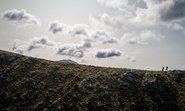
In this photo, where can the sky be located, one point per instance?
(139, 34)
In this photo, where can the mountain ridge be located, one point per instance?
(28, 83)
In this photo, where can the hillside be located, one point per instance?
(35, 84)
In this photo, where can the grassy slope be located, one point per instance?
(34, 84)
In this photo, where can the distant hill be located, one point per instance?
(30, 84)
(68, 61)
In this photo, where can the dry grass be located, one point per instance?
(36, 84)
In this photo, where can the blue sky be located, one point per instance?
(112, 33)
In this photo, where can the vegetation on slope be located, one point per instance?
(34, 84)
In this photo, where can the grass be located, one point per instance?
(35, 84)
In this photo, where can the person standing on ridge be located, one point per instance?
(166, 68)
(162, 68)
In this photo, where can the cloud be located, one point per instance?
(72, 51)
(103, 37)
(110, 41)
(105, 21)
(33, 43)
(16, 47)
(73, 30)
(39, 42)
(146, 12)
(79, 29)
(84, 31)
(126, 6)
(113, 3)
(130, 58)
(20, 17)
(107, 53)
(56, 27)
(160, 10)
(142, 38)
(87, 43)
(175, 11)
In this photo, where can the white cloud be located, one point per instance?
(143, 14)
(152, 13)
(84, 31)
(130, 58)
(20, 17)
(160, 10)
(102, 37)
(79, 30)
(142, 38)
(110, 40)
(114, 3)
(127, 7)
(105, 21)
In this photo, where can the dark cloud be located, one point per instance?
(165, 10)
(108, 53)
(20, 17)
(175, 11)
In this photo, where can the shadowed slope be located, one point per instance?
(35, 84)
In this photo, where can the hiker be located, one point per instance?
(162, 68)
(166, 68)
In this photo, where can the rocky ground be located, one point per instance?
(30, 84)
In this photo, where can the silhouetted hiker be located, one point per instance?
(162, 68)
(166, 68)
